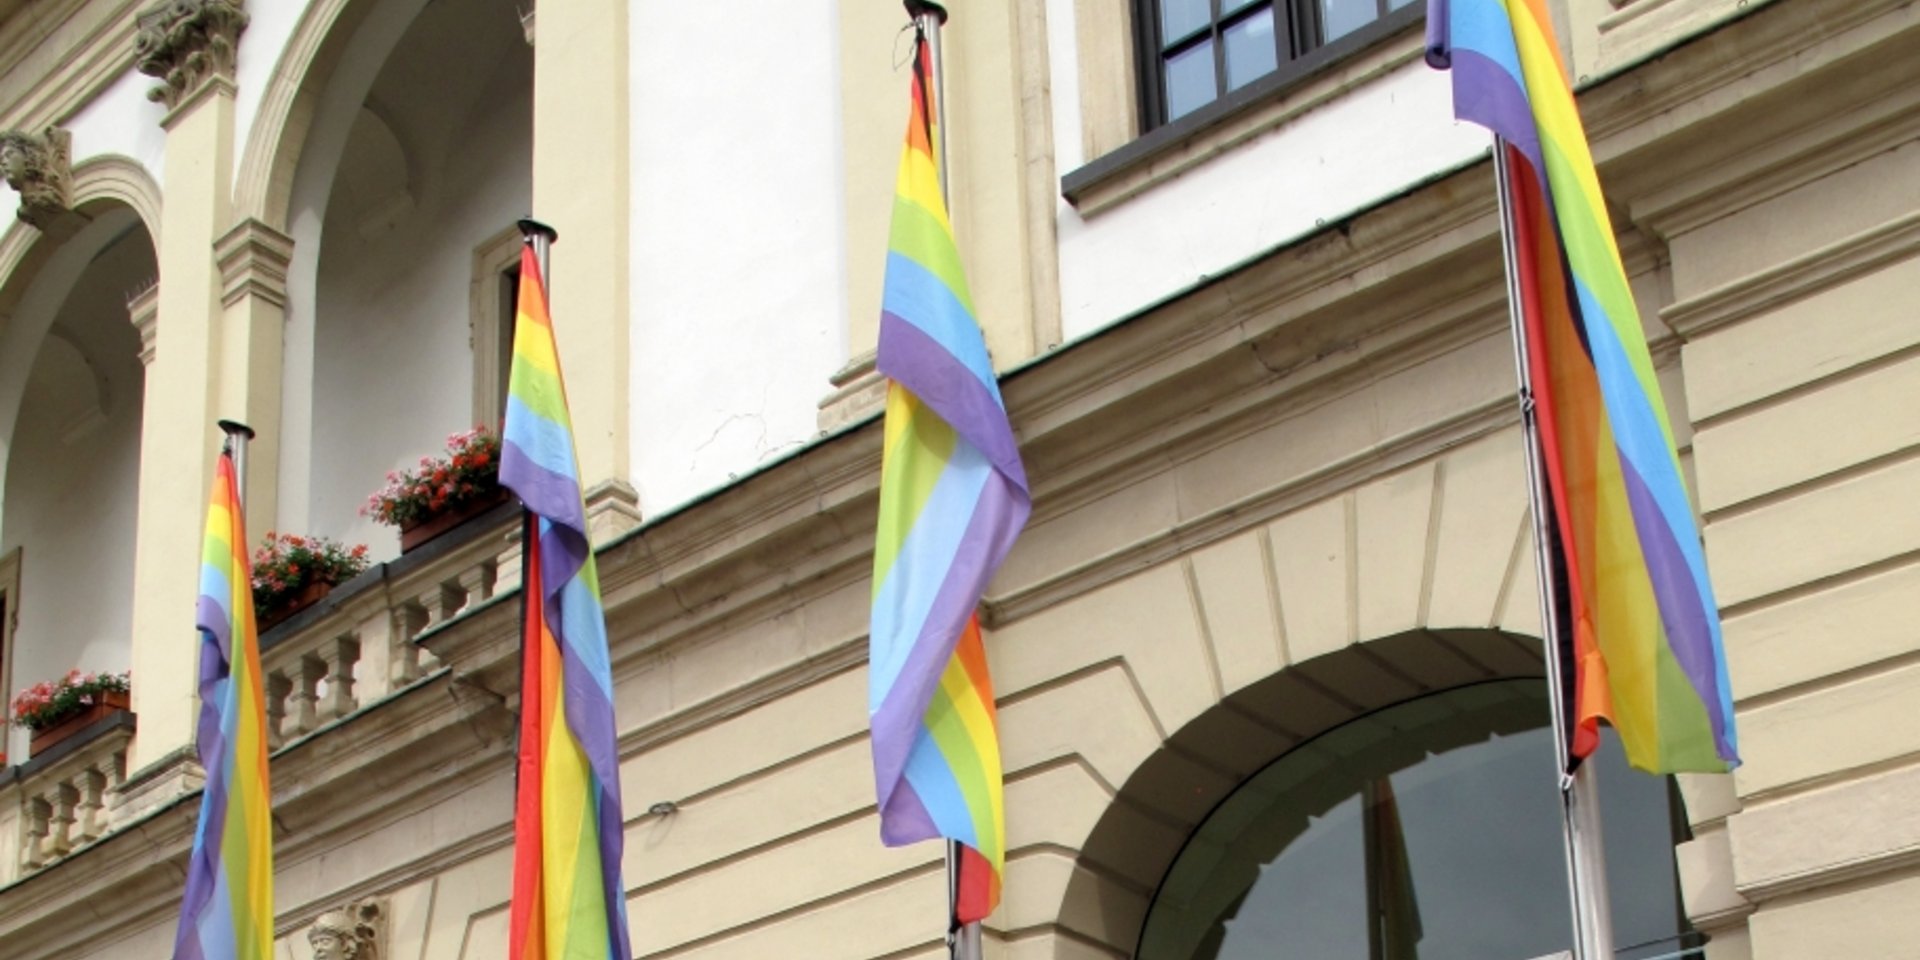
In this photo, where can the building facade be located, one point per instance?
(1266, 656)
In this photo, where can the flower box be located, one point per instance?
(308, 595)
(104, 705)
(425, 529)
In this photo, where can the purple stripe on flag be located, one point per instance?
(1689, 629)
(1439, 37)
(997, 517)
(212, 618)
(919, 363)
(589, 715)
(904, 819)
(554, 496)
(204, 859)
(1486, 94)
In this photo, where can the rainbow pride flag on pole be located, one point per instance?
(569, 902)
(953, 496)
(227, 913)
(1645, 630)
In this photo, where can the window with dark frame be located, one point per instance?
(1196, 51)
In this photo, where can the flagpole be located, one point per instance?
(1579, 801)
(238, 434)
(963, 940)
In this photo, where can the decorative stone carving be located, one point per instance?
(356, 931)
(187, 43)
(40, 167)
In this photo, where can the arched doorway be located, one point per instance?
(72, 386)
(416, 163)
(1426, 830)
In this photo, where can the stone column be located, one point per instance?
(189, 45)
(581, 186)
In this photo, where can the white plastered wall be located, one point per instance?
(1364, 146)
(738, 269)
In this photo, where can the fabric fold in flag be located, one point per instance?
(227, 912)
(1644, 629)
(569, 902)
(953, 496)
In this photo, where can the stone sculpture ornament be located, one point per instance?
(185, 43)
(352, 932)
(39, 167)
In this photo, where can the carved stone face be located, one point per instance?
(13, 160)
(330, 942)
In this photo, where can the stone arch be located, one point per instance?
(1396, 584)
(113, 178)
(346, 39)
(1133, 844)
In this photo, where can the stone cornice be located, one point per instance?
(253, 259)
(1724, 121)
(86, 45)
(1801, 277)
(186, 44)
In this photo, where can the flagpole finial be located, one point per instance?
(235, 428)
(918, 8)
(531, 228)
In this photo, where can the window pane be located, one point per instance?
(1251, 52)
(1341, 17)
(1190, 80)
(1425, 831)
(1230, 7)
(1181, 17)
(1397, 4)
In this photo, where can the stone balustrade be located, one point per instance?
(56, 804)
(356, 647)
(347, 653)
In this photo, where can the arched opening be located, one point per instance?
(1428, 830)
(418, 159)
(72, 386)
(1263, 816)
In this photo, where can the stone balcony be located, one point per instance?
(347, 654)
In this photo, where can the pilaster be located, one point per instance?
(581, 185)
(252, 259)
(188, 44)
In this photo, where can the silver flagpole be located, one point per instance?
(1579, 803)
(540, 237)
(237, 436)
(963, 941)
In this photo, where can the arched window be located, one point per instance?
(1425, 831)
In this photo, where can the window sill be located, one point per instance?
(1309, 82)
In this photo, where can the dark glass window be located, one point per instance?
(1198, 51)
(1426, 831)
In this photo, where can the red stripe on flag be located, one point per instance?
(528, 927)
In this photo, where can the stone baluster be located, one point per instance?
(34, 842)
(90, 813)
(340, 656)
(306, 695)
(65, 800)
(278, 689)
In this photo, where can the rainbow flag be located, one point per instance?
(1645, 629)
(227, 913)
(953, 496)
(569, 902)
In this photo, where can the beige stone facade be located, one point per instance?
(1283, 497)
